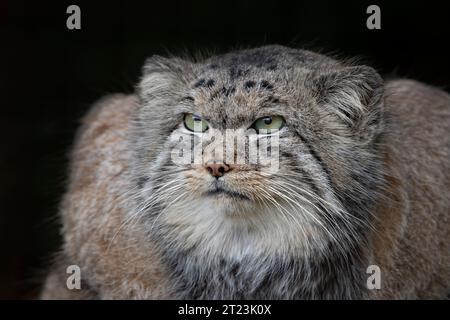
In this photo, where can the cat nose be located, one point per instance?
(217, 168)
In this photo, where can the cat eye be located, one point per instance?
(271, 124)
(195, 123)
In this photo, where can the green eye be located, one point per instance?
(195, 123)
(269, 124)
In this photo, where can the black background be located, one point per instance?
(49, 76)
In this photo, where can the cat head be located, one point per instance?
(301, 171)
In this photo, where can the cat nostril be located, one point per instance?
(217, 169)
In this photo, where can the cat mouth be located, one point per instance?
(220, 191)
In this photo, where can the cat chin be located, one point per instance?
(230, 204)
(233, 228)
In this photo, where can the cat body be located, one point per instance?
(363, 180)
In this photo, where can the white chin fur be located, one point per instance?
(236, 228)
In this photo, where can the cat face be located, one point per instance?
(313, 124)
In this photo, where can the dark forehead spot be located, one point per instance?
(236, 72)
(249, 84)
(228, 91)
(272, 67)
(199, 83)
(266, 85)
(188, 98)
(213, 66)
(224, 91)
(272, 99)
(210, 83)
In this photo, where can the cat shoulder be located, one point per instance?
(109, 113)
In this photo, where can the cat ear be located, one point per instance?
(354, 93)
(160, 74)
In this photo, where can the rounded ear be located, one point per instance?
(161, 74)
(356, 93)
(361, 80)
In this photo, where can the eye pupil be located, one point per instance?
(195, 123)
(268, 124)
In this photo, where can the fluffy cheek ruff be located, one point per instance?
(263, 253)
(233, 228)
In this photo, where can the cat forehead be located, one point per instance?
(269, 58)
(237, 86)
(230, 96)
(264, 70)
(268, 62)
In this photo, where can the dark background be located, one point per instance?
(49, 76)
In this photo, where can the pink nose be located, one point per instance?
(216, 168)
